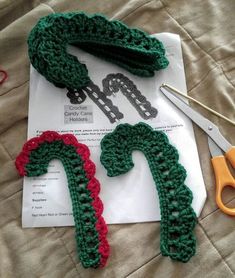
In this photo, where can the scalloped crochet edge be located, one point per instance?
(48, 40)
(178, 219)
(23, 159)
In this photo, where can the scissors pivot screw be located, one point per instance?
(210, 127)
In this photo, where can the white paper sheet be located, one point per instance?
(131, 197)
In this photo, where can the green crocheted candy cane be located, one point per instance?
(84, 188)
(177, 216)
(113, 41)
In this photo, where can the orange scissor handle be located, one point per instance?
(223, 178)
(230, 154)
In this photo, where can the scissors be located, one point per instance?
(219, 147)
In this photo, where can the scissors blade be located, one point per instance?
(206, 125)
(215, 150)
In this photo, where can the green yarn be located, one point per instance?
(177, 216)
(83, 212)
(113, 41)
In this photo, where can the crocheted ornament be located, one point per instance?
(90, 227)
(177, 216)
(113, 41)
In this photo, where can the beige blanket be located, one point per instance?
(207, 30)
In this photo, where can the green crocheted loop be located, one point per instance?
(113, 41)
(39, 160)
(90, 227)
(177, 216)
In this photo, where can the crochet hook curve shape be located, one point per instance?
(178, 218)
(90, 227)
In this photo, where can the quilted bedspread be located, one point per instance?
(207, 30)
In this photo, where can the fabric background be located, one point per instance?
(207, 30)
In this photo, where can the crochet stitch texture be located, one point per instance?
(177, 216)
(113, 41)
(90, 227)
